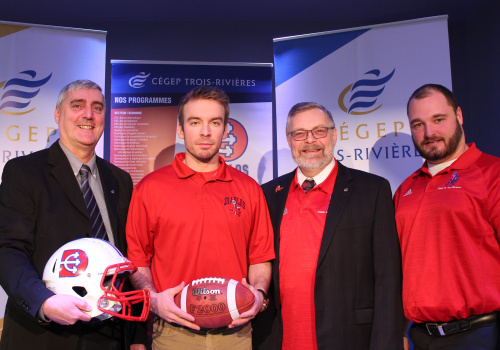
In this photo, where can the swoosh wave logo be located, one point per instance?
(364, 93)
(137, 81)
(17, 93)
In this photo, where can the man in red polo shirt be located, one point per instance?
(448, 219)
(199, 218)
(337, 273)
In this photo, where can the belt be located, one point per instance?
(442, 329)
(206, 331)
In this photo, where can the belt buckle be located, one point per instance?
(439, 327)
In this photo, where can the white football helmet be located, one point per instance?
(94, 270)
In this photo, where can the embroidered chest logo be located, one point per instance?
(407, 193)
(235, 205)
(453, 180)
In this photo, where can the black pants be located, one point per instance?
(480, 338)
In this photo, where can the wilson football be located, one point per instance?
(214, 302)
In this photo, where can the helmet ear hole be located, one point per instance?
(81, 291)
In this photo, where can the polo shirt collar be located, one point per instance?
(469, 157)
(183, 171)
(318, 179)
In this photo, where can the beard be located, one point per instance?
(206, 156)
(435, 153)
(313, 162)
(203, 155)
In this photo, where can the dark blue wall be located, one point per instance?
(483, 74)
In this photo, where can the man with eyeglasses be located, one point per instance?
(337, 273)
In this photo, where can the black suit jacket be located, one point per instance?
(358, 280)
(42, 208)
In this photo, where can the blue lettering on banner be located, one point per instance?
(241, 167)
(11, 154)
(388, 152)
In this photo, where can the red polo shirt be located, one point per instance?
(448, 226)
(300, 240)
(186, 225)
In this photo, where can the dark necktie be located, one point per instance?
(98, 229)
(308, 184)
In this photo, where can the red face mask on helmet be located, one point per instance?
(95, 271)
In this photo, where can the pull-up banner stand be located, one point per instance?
(35, 63)
(144, 99)
(364, 77)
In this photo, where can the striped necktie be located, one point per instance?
(308, 184)
(98, 229)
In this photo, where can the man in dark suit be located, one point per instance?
(42, 208)
(337, 273)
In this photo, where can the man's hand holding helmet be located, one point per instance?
(66, 309)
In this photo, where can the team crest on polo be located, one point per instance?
(235, 205)
(235, 143)
(73, 263)
(361, 96)
(453, 180)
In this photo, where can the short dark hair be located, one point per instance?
(427, 90)
(76, 85)
(305, 106)
(204, 93)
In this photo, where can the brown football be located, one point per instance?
(215, 302)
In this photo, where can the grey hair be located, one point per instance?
(76, 85)
(305, 106)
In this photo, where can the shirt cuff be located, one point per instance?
(41, 315)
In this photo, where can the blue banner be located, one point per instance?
(144, 100)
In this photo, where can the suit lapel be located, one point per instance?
(340, 197)
(61, 170)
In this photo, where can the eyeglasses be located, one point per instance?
(317, 133)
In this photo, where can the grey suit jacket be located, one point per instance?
(42, 208)
(358, 280)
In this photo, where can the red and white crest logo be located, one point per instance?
(73, 263)
(236, 141)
